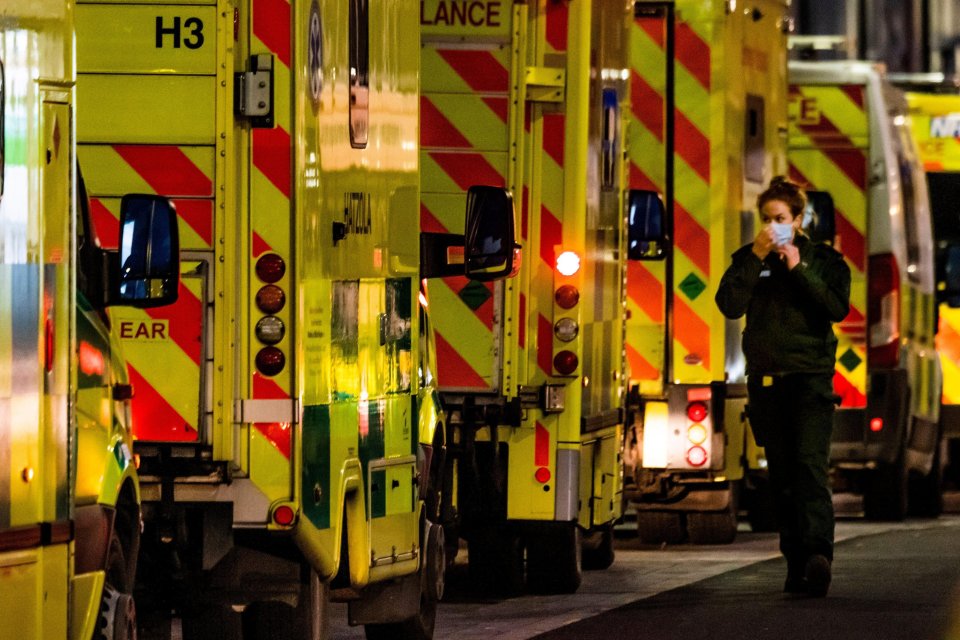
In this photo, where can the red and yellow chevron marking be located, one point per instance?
(948, 346)
(157, 341)
(694, 201)
(828, 152)
(271, 175)
(464, 141)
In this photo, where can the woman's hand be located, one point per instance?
(763, 244)
(790, 254)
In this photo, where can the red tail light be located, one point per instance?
(566, 362)
(696, 456)
(270, 267)
(696, 411)
(567, 296)
(883, 311)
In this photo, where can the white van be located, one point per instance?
(850, 145)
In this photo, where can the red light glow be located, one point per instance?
(568, 263)
(876, 424)
(284, 515)
(542, 475)
(696, 411)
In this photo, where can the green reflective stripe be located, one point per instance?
(415, 425)
(372, 447)
(316, 465)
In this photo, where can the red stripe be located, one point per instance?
(106, 228)
(271, 155)
(429, 222)
(850, 396)
(479, 69)
(167, 169)
(551, 236)
(499, 106)
(271, 24)
(855, 92)
(647, 105)
(544, 344)
(693, 53)
(692, 238)
(691, 331)
(645, 290)
(640, 367)
(153, 417)
(640, 180)
(854, 324)
(467, 169)
(841, 150)
(184, 322)
(692, 145)
(853, 162)
(198, 214)
(260, 246)
(656, 28)
(553, 125)
(452, 369)
(522, 331)
(436, 130)
(277, 433)
(852, 242)
(541, 455)
(557, 17)
(524, 213)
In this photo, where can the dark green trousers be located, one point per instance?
(792, 417)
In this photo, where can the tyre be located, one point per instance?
(554, 559)
(420, 627)
(660, 527)
(758, 499)
(495, 560)
(118, 612)
(926, 492)
(598, 553)
(887, 492)
(717, 527)
(269, 620)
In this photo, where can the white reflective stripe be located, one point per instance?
(250, 410)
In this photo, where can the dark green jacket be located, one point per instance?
(789, 313)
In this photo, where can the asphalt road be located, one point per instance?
(891, 581)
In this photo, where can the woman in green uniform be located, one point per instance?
(791, 290)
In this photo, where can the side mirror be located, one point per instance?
(149, 252)
(818, 218)
(948, 288)
(646, 226)
(489, 246)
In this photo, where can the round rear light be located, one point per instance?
(568, 263)
(876, 424)
(270, 330)
(270, 267)
(284, 515)
(566, 329)
(565, 362)
(542, 475)
(270, 361)
(567, 296)
(696, 456)
(696, 411)
(271, 298)
(697, 433)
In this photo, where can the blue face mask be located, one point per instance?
(782, 232)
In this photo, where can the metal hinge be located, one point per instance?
(545, 84)
(253, 91)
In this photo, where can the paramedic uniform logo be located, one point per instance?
(315, 53)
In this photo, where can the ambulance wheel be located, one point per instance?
(420, 627)
(598, 553)
(554, 559)
(718, 527)
(495, 560)
(118, 612)
(887, 492)
(926, 492)
(660, 527)
(270, 619)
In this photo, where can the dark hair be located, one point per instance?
(786, 191)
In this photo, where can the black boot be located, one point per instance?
(796, 580)
(817, 575)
